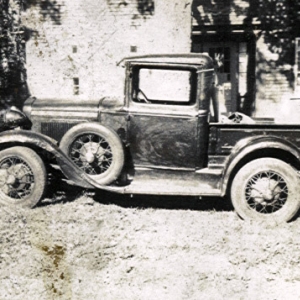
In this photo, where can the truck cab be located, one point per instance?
(168, 110)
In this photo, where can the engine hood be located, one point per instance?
(88, 110)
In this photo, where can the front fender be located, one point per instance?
(251, 145)
(28, 137)
(69, 169)
(36, 140)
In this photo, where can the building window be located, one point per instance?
(76, 86)
(297, 63)
(133, 48)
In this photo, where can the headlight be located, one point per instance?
(13, 117)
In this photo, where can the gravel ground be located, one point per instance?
(113, 247)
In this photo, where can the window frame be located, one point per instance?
(135, 70)
(297, 63)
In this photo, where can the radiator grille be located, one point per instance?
(56, 130)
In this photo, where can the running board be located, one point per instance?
(176, 188)
(205, 182)
(147, 181)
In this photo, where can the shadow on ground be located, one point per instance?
(59, 192)
(163, 202)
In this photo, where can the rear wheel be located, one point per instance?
(266, 189)
(22, 177)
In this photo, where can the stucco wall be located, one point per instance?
(85, 39)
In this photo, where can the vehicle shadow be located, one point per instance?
(163, 202)
(59, 192)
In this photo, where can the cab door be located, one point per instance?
(164, 118)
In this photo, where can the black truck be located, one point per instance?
(163, 137)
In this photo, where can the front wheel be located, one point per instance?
(266, 189)
(23, 177)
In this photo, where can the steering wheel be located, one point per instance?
(144, 98)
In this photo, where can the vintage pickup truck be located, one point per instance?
(161, 138)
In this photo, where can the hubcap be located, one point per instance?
(11, 179)
(89, 151)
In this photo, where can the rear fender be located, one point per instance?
(251, 145)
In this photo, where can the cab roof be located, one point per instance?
(199, 59)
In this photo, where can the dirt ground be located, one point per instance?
(103, 246)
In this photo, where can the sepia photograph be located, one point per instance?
(149, 149)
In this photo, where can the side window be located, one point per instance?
(297, 63)
(163, 86)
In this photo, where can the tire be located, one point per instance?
(23, 177)
(266, 189)
(95, 149)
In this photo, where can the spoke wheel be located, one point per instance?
(266, 189)
(266, 192)
(22, 177)
(91, 153)
(96, 150)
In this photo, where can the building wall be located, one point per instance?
(75, 44)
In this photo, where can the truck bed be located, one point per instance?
(223, 138)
